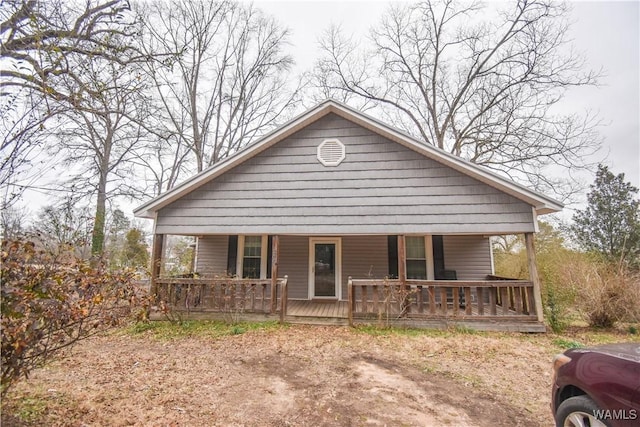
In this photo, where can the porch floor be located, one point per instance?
(311, 308)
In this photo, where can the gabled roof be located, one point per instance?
(541, 203)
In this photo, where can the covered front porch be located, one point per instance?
(490, 304)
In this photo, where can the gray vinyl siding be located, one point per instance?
(380, 188)
(364, 257)
(294, 262)
(469, 256)
(212, 256)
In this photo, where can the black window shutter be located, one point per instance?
(232, 255)
(438, 256)
(269, 254)
(392, 245)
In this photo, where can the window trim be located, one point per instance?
(264, 250)
(428, 253)
(311, 278)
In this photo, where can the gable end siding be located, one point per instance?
(380, 187)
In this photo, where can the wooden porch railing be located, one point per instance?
(391, 299)
(223, 295)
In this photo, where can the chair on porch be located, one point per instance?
(451, 275)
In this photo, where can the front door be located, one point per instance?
(324, 268)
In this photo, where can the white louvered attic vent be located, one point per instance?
(331, 152)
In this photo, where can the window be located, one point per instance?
(249, 256)
(416, 257)
(251, 259)
(331, 152)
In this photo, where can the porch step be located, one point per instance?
(322, 321)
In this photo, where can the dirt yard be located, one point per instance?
(293, 376)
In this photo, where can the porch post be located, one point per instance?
(275, 245)
(156, 262)
(402, 260)
(533, 274)
(192, 264)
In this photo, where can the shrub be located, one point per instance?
(607, 292)
(572, 282)
(558, 296)
(557, 301)
(48, 306)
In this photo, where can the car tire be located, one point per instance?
(578, 411)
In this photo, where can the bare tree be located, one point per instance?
(42, 43)
(226, 84)
(64, 226)
(13, 222)
(102, 137)
(480, 83)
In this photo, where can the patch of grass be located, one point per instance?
(590, 336)
(164, 330)
(141, 327)
(464, 330)
(633, 330)
(377, 330)
(453, 331)
(30, 409)
(566, 343)
(374, 330)
(608, 337)
(237, 330)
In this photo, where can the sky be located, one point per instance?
(606, 32)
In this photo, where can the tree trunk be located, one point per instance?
(97, 236)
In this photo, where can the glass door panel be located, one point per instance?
(324, 274)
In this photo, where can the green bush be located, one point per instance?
(557, 302)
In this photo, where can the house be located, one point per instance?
(336, 216)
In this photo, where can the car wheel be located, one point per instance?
(578, 411)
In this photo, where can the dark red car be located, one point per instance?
(598, 386)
